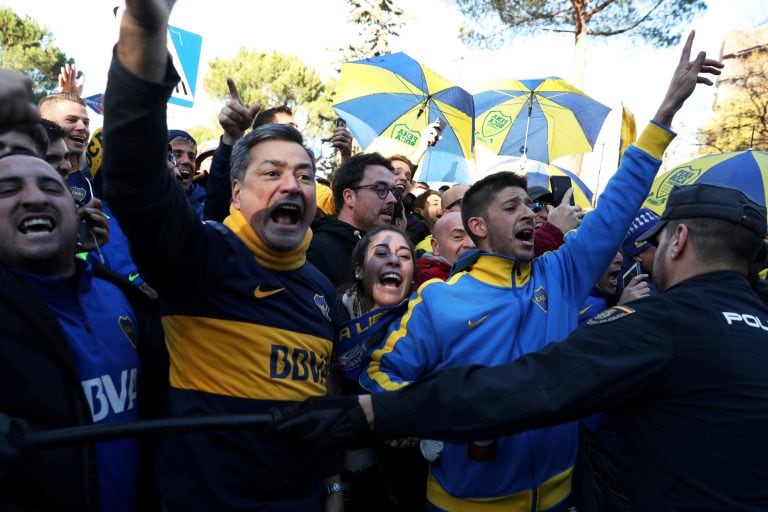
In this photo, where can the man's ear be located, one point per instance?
(349, 197)
(478, 227)
(236, 186)
(681, 241)
(435, 248)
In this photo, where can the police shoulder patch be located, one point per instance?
(610, 315)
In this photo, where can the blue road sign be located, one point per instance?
(96, 102)
(184, 47)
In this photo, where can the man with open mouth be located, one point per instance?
(248, 322)
(183, 149)
(500, 303)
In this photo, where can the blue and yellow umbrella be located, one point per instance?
(744, 170)
(388, 100)
(540, 118)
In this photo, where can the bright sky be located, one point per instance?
(619, 71)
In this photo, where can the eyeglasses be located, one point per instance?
(381, 189)
(537, 206)
(457, 202)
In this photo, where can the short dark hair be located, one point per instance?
(61, 96)
(720, 241)
(268, 116)
(242, 150)
(421, 201)
(358, 253)
(35, 131)
(351, 173)
(54, 130)
(482, 193)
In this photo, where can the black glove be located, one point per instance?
(325, 423)
(12, 444)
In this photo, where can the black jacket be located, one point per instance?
(41, 386)
(331, 249)
(684, 373)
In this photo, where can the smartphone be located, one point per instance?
(440, 124)
(631, 272)
(559, 186)
(340, 122)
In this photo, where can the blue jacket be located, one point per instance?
(495, 309)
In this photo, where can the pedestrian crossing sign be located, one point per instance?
(184, 47)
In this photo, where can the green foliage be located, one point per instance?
(741, 118)
(27, 47)
(658, 22)
(274, 79)
(378, 21)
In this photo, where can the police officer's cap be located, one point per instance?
(702, 200)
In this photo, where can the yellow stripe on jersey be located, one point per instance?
(551, 492)
(245, 360)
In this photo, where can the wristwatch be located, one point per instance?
(336, 487)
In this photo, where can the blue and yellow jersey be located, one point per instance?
(248, 329)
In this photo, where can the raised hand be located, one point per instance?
(636, 289)
(566, 216)
(687, 74)
(68, 80)
(98, 227)
(235, 117)
(342, 140)
(15, 99)
(143, 33)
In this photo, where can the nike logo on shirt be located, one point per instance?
(261, 294)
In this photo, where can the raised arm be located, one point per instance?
(143, 33)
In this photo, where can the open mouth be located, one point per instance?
(391, 280)
(613, 278)
(526, 235)
(78, 139)
(185, 175)
(286, 214)
(35, 225)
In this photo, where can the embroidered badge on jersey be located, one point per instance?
(609, 315)
(126, 325)
(323, 305)
(540, 298)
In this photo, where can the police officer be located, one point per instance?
(684, 372)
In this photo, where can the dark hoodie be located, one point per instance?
(331, 249)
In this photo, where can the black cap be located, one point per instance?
(536, 192)
(701, 200)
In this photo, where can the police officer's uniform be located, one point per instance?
(686, 374)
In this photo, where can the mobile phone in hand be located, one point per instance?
(631, 272)
(440, 124)
(340, 122)
(560, 185)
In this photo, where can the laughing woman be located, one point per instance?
(384, 478)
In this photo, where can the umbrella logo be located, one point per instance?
(494, 122)
(402, 133)
(681, 176)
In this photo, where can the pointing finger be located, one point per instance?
(567, 196)
(233, 93)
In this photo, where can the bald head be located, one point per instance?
(449, 239)
(38, 218)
